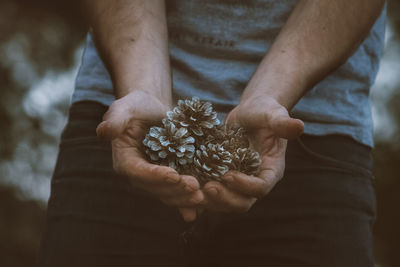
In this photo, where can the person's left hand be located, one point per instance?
(268, 125)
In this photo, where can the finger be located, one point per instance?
(187, 184)
(185, 201)
(190, 182)
(130, 162)
(141, 172)
(250, 185)
(219, 198)
(188, 214)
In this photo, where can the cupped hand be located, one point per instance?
(126, 123)
(268, 125)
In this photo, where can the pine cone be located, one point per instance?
(169, 145)
(231, 138)
(234, 140)
(245, 160)
(193, 142)
(211, 162)
(196, 115)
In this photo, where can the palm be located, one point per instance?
(272, 152)
(135, 115)
(262, 135)
(268, 125)
(126, 123)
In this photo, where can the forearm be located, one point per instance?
(318, 37)
(131, 37)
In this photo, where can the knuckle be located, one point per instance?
(189, 187)
(278, 111)
(155, 171)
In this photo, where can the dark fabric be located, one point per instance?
(320, 214)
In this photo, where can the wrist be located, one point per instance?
(161, 89)
(268, 96)
(133, 94)
(283, 88)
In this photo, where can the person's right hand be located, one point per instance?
(126, 123)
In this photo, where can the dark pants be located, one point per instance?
(320, 214)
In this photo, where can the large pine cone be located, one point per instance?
(170, 145)
(196, 115)
(235, 141)
(211, 162)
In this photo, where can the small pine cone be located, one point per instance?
(211, 162)
(195, 114)
(169, 145)
(216, 136)
(235, 138)
(246, 160)
(231, 138)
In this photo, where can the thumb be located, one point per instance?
(231, 118)
(282, 124)
(273, 116)
(113, 124)
(286, 127)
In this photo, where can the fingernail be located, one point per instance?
(212, 191)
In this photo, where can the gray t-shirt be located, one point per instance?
(215, 47)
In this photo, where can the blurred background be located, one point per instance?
(41, 43)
